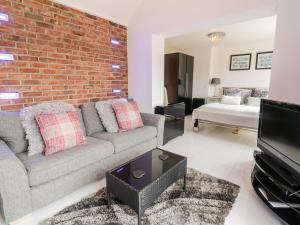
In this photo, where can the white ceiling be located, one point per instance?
(246, 32)
(119, 11)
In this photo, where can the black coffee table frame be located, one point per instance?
(140, 200)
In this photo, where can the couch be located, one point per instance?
(31, 182)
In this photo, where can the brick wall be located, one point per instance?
(60, 54)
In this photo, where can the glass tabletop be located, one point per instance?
(151, 163)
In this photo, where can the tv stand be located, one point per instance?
(278, 188)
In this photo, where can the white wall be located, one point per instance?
(214, 61)
(285, 81)
(202, 64)
(169, 16)
(158, 61)
(246, 78)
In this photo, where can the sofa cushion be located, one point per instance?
(42, 169)
(125, 140)
(12, 131)
(91, 118)
(79, 114)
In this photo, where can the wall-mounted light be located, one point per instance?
(116, 90)
(9, 95)
(3, 17)
(115, 41)
(6, 57)
(116, 66)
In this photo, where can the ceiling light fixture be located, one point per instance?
(216, 37)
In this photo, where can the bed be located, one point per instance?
(237, 116)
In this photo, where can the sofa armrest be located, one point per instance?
(15, 198)
(157, 121)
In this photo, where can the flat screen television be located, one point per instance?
(279, 132)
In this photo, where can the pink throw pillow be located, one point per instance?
(60, 131)
(128, 116)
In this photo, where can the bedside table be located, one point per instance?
(212, 100)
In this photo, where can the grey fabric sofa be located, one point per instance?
(28, 183)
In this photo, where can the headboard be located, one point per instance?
(247, 88)
(255, 92)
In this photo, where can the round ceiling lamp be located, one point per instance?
(216, 37)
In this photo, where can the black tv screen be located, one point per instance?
(279, 131)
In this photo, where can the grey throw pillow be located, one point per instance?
(33, 135)
(91, 118)
(107, 114)
(12, 132)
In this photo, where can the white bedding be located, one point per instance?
(235, 115)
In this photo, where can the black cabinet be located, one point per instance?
(174, 124)
(179, 70)
(277, 188)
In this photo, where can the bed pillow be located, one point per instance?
(253, 101)
(231, 100)
(232, 92)
(260, 93)
(128, 115)
(107, 114)
(60, 131)
(245, 94)
(33, 135)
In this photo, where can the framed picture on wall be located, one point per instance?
(240, 62)
(264, 60)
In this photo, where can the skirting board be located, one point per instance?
(21, 220)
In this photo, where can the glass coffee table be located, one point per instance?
(140, 181)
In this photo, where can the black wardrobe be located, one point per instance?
(179, 79)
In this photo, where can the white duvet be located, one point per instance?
(235, 115)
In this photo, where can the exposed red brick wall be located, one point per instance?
(60, 54)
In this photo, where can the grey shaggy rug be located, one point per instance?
(206, 201)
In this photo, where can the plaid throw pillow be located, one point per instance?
(60, 131)
(128, 116)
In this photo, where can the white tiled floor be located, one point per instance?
(213, 150)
